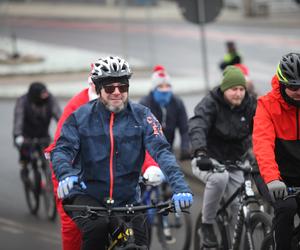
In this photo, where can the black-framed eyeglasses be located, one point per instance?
(109, 89)
(293, 87)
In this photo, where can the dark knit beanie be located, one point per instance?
(232, 76)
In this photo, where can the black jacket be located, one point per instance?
(174, 117)
(223, 132)
(33, 121)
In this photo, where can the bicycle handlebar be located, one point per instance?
(238, 165)
(43, 140)
(167, 206)
(292, 192)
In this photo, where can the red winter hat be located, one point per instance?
(243, 68)
(158, 67)
(160, 77)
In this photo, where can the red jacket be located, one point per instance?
(276, 136)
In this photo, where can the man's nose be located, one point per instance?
(116, 91)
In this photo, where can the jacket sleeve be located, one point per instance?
(264, 144)
(158, 147)
(183, 127)
(66, 150)
(19, 117)
(200, 124)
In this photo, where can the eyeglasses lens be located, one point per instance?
(109, 89)
(293, 87)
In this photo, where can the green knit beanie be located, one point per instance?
(232, 76)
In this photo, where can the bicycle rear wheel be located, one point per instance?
(31, 181)
(47, 192)
(260, 227)
(174, 231)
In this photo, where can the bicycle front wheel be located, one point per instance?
(48, 196)
(259, 227)
(174, 231)
(268, 243)
(31, 182)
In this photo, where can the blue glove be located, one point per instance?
(182, 200)
(66, 185)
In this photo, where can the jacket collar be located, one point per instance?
(275, 93)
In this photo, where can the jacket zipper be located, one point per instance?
(297, 123)
(111, 172)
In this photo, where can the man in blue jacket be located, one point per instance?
(99, 155)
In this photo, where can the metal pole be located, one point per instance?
(151, 40)
(201, 13)
(123, 32)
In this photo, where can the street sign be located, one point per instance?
(190, 10)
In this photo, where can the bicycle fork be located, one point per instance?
(238, 228)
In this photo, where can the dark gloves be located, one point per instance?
(185, 155)
(203, 162)
(277, 189)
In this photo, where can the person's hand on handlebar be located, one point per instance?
(65, 186)
(277, 190)
(202, 161)
(182, 201)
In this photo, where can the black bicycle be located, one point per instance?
(268, 243)
(122, 236)
(174, 231)
(252, 225)
(37, 179)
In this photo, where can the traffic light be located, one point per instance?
(190, 10)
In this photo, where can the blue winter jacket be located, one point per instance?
(107, 151)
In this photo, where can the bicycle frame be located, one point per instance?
(247, 198)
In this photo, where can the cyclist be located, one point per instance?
(71, 236)
(231, 57)
(276, 144)
(100, 152)
(221, 129)
(169, 109)
(32, 116)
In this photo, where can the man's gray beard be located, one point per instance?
(116, 109)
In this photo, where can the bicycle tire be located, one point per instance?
(268, 243)
(260, 226)
(32, 189)
(47, 192)
(178, 226)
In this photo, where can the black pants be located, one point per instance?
(283, 222)
(284, 213)
(95, 231)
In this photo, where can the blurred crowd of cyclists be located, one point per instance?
(104, 142)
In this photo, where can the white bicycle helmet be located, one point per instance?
(108, 70)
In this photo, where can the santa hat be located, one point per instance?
(160, 76)
(244, 70)
(158, 67)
